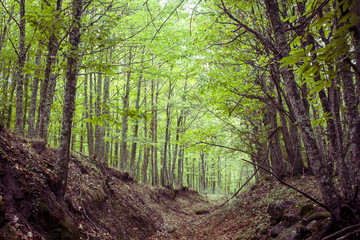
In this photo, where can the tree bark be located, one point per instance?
(136, 129)
(99, 140)
(69, 101)
(48, 84)
(316, 157)
(164, 168)
(88, 114)
(144, 169)
(34, 93)
(125, 126)
(19, 128)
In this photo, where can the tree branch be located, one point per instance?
(273, 174)
(167, 19)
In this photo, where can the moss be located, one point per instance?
(8, 232)
(306, 210)
(318, 216)
(56, 223)
(322, 224)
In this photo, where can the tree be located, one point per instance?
(19, 128)
(69, 100)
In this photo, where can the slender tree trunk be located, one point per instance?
(9, 110)
(105, 129)
(47, 110)
(34, 93)
(164, 168)
(203, 171)
(6, 77)
(99, 140)
(48, 84)
(19, 128)
(276, 155)
(144, 169)
(156, 173)
(88, 114)
(69, 102)
(124, 130)
(116, 147)
(152, 132)
(178, 125)
(181, 166)
(219, 175)
(136, 129)
(4, 31)
(26, 98)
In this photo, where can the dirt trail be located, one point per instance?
(191, 221)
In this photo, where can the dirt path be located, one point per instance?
(188, 220)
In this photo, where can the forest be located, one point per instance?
(205, 95)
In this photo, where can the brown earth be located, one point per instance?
(99, 204)
(103, 203)
(246, 216)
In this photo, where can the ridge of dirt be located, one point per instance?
(246, 216)
(100, 203)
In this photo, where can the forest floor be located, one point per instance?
(246, 216)
(103, 203)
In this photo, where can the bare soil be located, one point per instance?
(103, 203)
(100, 203)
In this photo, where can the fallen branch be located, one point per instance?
(348, 235)
(342, 231)
(174, 209)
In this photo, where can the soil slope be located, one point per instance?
(100, 203)
(247, 218)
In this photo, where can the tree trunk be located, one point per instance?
(69, 102)
(47, 110)
(316, 157)
(291, 146)
(178, 125)
(155, 168)
(136, 129)
(9, 110)
(124, 130)
(144, 169)
(48, 84)
(19, 128)
(34, 93)
(164, 168)
(105, 129)
(88, 114)
(354, 122)
(99, 140)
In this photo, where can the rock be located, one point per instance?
(302, 229)
(322, 224)
(277, 230)
(318, 216)
(290, 234)
(312, 226)
(306, 210)
(276, 210)
(290, 219)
